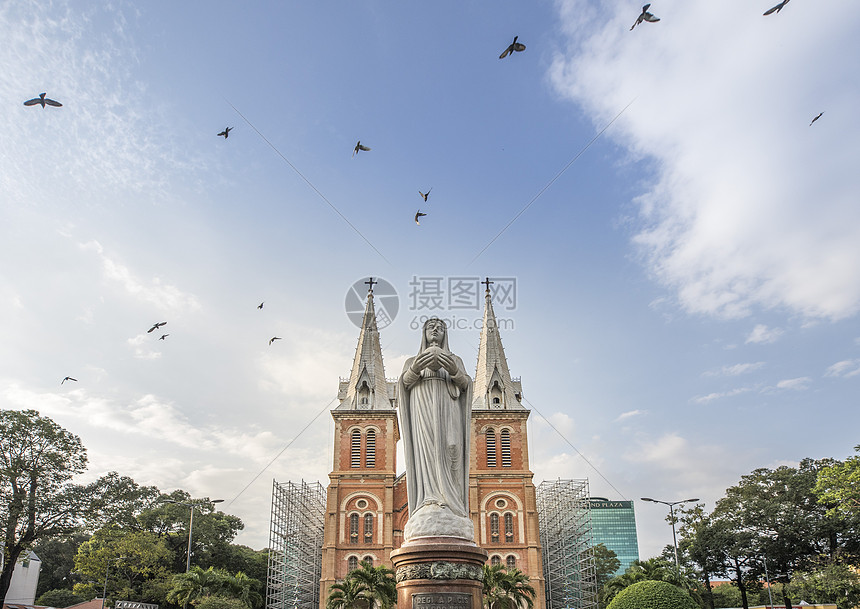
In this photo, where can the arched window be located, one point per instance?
(355, 449)
(509, 527)
(511, 561)
(368, 560)
(495, 560)
(353, 528)
(352, 563)
(494, 527)
(491, 447)
(370, 451)
(506, 448)
(368, 528)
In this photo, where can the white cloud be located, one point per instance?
(750, 207)
(719, 395)
(797, 384)
(761, 334)
(846, 368)
(167, 298)
(630, 413)
(736, 369)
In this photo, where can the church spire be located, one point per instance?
(367, 388)
(494, 388)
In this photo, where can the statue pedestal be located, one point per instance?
(439, 573)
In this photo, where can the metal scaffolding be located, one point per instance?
(295, 546)
(566, 538)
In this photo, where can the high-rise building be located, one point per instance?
(613, 524)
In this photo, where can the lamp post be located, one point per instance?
(672, 505)
(107, 572)
(191, 524)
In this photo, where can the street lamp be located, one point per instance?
(191, 524)
(671, 505)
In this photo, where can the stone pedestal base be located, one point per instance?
(439, 573)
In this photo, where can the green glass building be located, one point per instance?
(613, 524)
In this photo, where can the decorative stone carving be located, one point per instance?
(440, 570)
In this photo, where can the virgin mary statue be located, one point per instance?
(434, 396)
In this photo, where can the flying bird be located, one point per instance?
(260, 306)
(816, 118)
(42, 100)
(156, 326)
(225, 133)
(513, 47)
(646, 16)
(273, 339)
(777, 8)
(68, 378)
(358, 147)
(425, 194)
(163, 336)
(418, 215)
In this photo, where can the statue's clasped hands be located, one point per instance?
(434, 358)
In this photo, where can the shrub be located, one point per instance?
(220, 602)
(652, 595)
(59, 598)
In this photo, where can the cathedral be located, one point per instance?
(366, 506)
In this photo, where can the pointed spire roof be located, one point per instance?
(367, 388)
(494, 389)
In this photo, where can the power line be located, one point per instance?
(561, 435)
(290, 443)
(550, 183)
(309, 183)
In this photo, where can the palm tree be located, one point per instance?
(195, 584)
(241, 587)
(345, 594)
(377, 585)
(507, 588)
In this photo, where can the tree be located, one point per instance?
(195, 585)
(59, 598)
(377, 584)
(37, 460)
(130, 561)
(345, 594)
(507, 588)
(58, 561)
(838, 484)
(606, 563)
(829, 583)
(653, 569)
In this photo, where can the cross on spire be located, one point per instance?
(370, 283)
(487, 283)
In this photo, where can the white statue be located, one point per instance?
(434, 396)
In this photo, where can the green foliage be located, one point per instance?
(129, 560)
(606, 563)
(507, 588)
(838, 485)
(60, 598)
(363, 588)
(37, 500)
(199, 584)
(58, 561)
(220, 602)
(829, 583)
(653, 569)
(652, 594)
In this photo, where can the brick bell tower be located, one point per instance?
(366, 507)
(501, 490)
(360, 495)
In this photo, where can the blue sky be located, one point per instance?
(687, 290)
